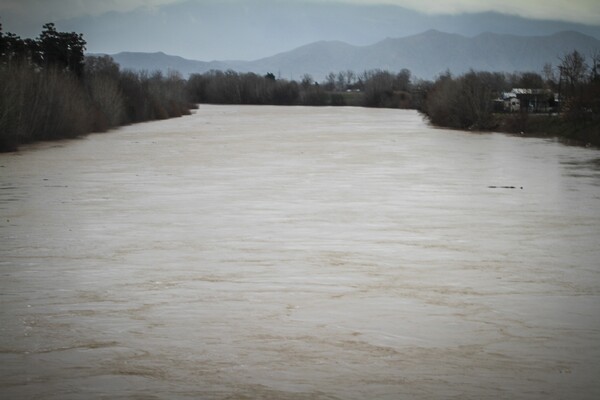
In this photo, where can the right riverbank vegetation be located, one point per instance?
(50, 90)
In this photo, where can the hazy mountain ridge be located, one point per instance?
(425, 55)
(164, 62)
(249, 30)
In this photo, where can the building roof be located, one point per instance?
(517, 91)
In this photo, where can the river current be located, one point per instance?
(252, 252)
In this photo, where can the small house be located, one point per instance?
(531, 100)
(511, 102)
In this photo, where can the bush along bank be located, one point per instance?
(574, 131)
(49, 90)
(565, 104)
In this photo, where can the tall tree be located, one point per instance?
(573, 73)
(573, 69)
(62, 50)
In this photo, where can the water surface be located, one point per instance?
(299, 253)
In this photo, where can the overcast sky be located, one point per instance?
(582, 11)
(247, 29)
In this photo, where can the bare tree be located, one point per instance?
(307, 81)
(573, 69)
(595, 67)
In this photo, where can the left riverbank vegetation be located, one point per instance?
(50, 90)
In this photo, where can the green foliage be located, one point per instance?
(60, 50)
(52, 49)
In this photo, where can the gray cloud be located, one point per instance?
(581, 11)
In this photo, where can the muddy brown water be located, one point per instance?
(299, 253)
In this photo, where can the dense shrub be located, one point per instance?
(49, 91)
(372, 89)
(464, 102)
(230, 87)
(40, 105)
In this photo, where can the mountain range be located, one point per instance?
(426, 55)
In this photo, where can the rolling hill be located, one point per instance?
(426, 55)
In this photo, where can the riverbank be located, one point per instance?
(583, 132)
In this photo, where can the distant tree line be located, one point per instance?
(50, 90)
(464, 101)
(375, 88)
(230, 87)
(468, 101)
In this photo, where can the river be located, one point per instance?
(250, 252)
